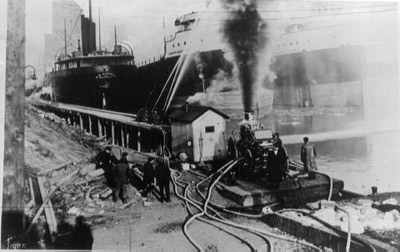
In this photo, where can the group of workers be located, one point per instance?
(117, 175)
(157, 169)
(278, 160)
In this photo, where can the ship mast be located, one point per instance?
(99, 32)
(115, 34)
(65, 37)
(165, 42)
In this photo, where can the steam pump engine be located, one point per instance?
(252, 144)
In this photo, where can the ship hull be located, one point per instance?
(325, 77)
(85, 86)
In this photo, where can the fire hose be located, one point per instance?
(262, 232)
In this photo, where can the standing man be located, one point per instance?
(106, 160)
(276, 138)
(277, 162)
(308, 157)
(148, 176)
(162, 173)
(120, 174)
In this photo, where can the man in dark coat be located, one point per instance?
(277, 164)
(308, 156)
(162, 173)
(148, 176)
(106, 160)
(120, 174)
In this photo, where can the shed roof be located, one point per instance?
(193, 112)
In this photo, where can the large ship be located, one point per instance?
(309, 71)
(315, 63)
(90, 77)
(111, 80)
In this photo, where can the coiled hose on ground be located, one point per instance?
(262, 232)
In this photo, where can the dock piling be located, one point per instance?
(113, 132)
(90, 124)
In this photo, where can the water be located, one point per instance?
(361, 162)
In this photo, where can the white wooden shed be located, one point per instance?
(199, 132)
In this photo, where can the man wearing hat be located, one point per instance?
(308, 156)
(148, 176)
(277, 164)
(162, 174)
(106, 160)
(120, 174)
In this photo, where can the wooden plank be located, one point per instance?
(31, 190)
(68, 177)
(48, 210)
(47, 199)
(87, 168)
(58, 167)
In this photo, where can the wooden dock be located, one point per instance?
(120, 129)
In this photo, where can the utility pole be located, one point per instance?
(13, 166)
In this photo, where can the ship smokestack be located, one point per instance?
(245, 33)
(249, 116)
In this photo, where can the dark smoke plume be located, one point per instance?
(245, 32)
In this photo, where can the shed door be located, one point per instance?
(212, 143)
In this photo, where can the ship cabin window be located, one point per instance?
(184, 43)
(179, 44)
(186, 27)
(72, 64)
(173, 45)
(85, 63)
(78, 63)
(63, 66)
